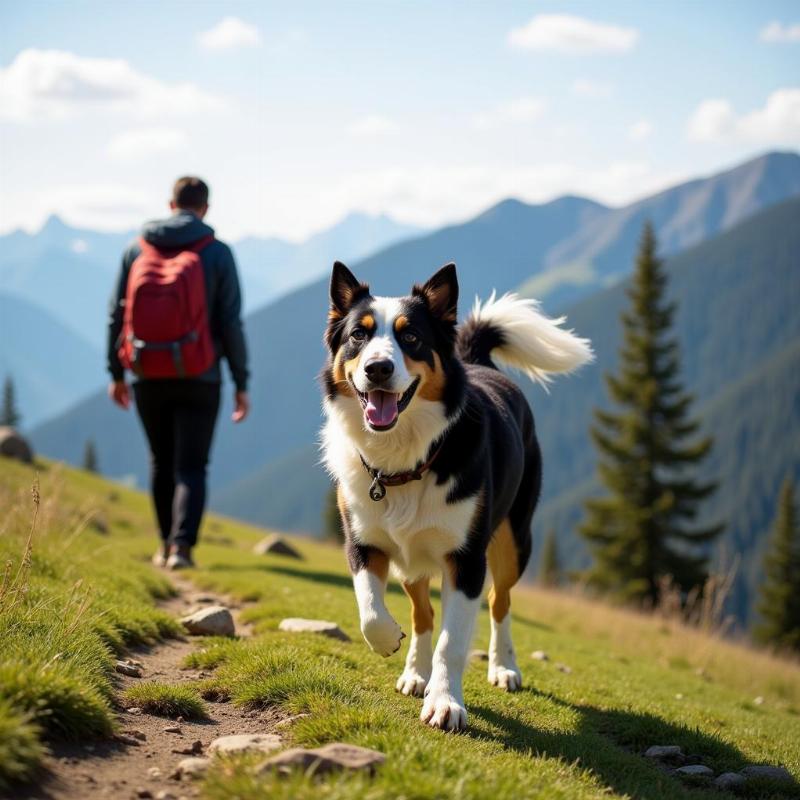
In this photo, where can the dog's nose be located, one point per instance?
(379, 370)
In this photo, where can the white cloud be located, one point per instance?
(96, 206)
(373, 125)
(145, 142)
(521, 110)
(79, 246)
(433, 194)
(57, 84)
(640, 130)
(570, 34)
(586, 87)
(777, 123)
(776, 32)
(228, 33)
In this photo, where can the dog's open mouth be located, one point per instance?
(381, 409)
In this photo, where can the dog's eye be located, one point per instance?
(409, 337)
(359, 334)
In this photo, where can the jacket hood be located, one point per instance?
(182, 228)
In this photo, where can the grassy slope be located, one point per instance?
(68, 603)
(633, 683)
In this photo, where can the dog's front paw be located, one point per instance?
(383, 634)
(506, 678)
(411, 682)
(443, 710)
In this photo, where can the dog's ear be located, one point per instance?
(345, 290)
(440, 292)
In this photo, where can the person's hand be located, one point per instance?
(120, 393)
(242, 409)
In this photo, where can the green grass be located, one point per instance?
(635, 681)
(165, 700)
(70, 600)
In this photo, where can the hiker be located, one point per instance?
(174, 314)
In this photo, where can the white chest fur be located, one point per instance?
(413, 524)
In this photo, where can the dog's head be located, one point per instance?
(390, 354)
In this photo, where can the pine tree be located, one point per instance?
(90, 457)
(331, 519)
(9, 415)
(549, 563)
(779, 606)
(641, 532)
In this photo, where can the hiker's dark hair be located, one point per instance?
(190, 192)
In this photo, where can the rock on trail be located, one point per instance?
(663, 751)
(277, 546)
(210, 621)
(245, 743)
(321, 760)
(299, 625)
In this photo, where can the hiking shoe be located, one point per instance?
(180, 557)
(159, 559)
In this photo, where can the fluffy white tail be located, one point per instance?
(515, 332)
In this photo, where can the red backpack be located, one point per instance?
(165, 332)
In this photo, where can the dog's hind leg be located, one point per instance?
(504, 566)
(417, 670)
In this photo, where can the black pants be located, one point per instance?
(178, 417)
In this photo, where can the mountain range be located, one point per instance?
(573, 254)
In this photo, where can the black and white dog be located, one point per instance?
(438, 469)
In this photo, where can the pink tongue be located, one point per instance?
(381, 408)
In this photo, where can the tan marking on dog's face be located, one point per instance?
(368, 321)
(341, 369)
(400, 323)
(421, 608)
(378, 564)
(504, 566)
(432, 383)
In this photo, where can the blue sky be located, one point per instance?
(428, 111)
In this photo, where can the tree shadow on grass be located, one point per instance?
(610, 744)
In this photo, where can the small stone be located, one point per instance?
(129, 669)
(695, 771)
(154, 773)
(134, 710)
(479, 655)
(564, 668)
(124, 738)
(759, 701)
(289, 720)
(299, 625)
(164, 794)
(277, 546)
(768, 771)
(144, 793)
(325, 759)
(245, 743)
(540, 655)
(140, 735)
(663, 751)
(729, 780)
(13, 445)
(210, 621)
(192, 767)
(194, 749)
(179, 719)
(172, 729)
